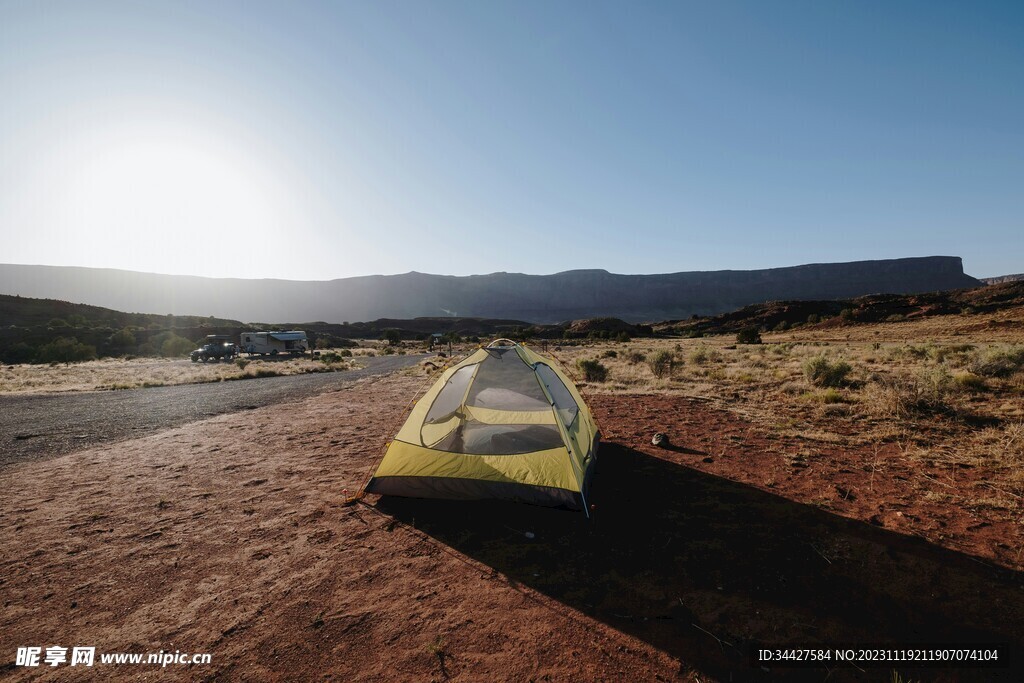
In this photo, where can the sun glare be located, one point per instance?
(171, 201)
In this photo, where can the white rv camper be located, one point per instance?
(262, 343)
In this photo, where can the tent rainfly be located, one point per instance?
(504, 423)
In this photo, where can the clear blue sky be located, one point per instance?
(323, 140)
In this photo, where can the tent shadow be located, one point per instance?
(704, 568)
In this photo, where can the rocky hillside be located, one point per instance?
(535, 298)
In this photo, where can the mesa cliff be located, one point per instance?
(553, 298)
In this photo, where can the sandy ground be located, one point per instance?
(231, 536)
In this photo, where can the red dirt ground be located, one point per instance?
(230, 536)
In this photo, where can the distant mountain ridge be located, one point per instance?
(554, 298)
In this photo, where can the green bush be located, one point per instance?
(123, 340)
(634, 357)
(955, 352)
(65, 350)
(174, 346)
(592, 370)
(748, 335)
(661, 363)
(610, 353)
(699, 356)
(823, 372)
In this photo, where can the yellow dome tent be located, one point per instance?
(504, 423)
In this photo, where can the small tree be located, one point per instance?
(175, 345)
(748, 335)
(124, 340)
(392, 336)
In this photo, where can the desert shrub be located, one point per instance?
(824, 372)
(997, 362)
(831, 396)
(593, 371)
(634, 357)
(242, 363)
(388, 351)
(661, 363)
(970, 382)
(782, 326)
(940, 354)
(827, 397)
(792, 388)
(623, 337)
(926, 392)
(918, 352)
(748, 335)
(895, 318)
(65, 350)
(813, 318)
(345, 353)
(699, 356)
(835, 410)
(846, 314)
(329, 357)
(610, 353)
(266, 372)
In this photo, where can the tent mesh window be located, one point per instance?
(448, 402)
(565, 404)
(501, 383)
(505, 382)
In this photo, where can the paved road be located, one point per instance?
(43, 426)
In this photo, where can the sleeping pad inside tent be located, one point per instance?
(504, 423)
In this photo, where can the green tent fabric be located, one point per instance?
(504, 423)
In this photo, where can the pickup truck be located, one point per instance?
(214, 351)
